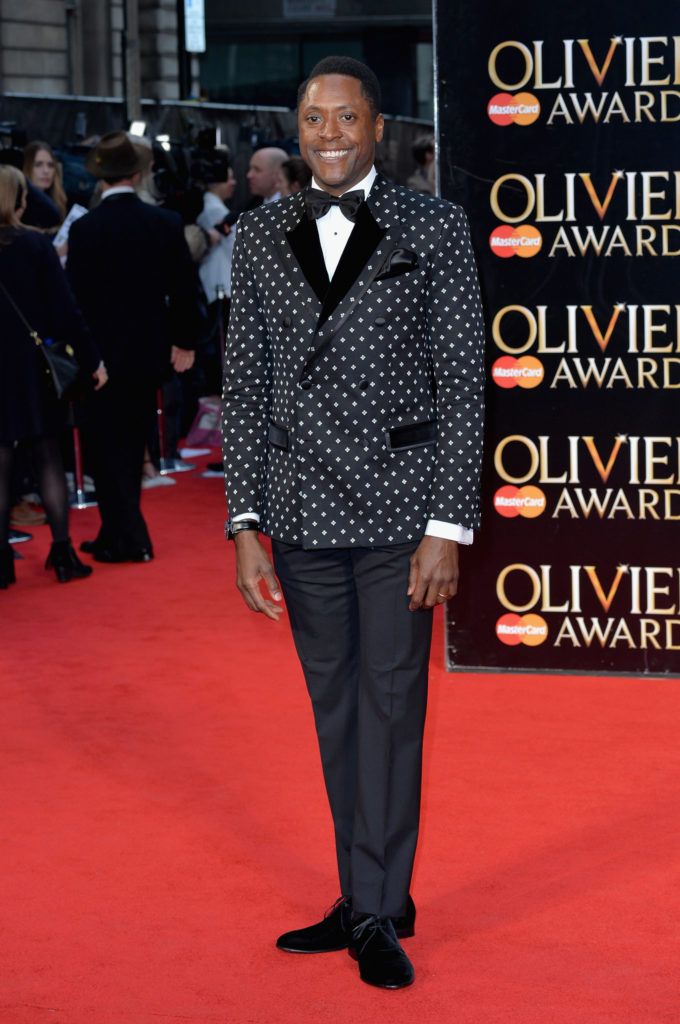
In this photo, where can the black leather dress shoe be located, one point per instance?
(103, 553)
(382, 961)
(327, 936)
(335, 931)
(140, 555)
(112, 555)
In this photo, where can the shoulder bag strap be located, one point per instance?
(33, 334)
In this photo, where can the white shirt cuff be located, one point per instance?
(449, 531)
(435, 528)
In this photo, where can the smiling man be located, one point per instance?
(352, 437)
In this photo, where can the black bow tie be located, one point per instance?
(318, 203)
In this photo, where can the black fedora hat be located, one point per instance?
(114, 156)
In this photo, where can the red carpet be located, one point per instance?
(163, 817)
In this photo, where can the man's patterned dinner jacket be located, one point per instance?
(352, 410)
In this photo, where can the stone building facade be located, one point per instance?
(86, 47)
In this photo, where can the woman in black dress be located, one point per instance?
(30, 413)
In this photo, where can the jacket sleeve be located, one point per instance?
(187, 318)
(64, 316)
(456, 336)
(247, 388)
(79, 269)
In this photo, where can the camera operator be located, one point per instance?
(213, 171)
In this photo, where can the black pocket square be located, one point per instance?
(399, 261)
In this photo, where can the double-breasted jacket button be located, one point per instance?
(305, 383)
(286, 321)
(363, 384)
(380, 321)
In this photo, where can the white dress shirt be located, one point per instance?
(334, 231)
(118, 190)
(334, 228)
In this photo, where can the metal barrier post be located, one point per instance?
(79, 499)
(165, 465)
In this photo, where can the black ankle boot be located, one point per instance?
(65, 562)
(6, 567)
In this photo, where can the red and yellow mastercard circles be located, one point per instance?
(522, 109)
(511, 372)
(527, 501)
(530, 630)
(524, 241)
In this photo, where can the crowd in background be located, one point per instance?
(143, 262)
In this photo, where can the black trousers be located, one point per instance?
(118, 419)
(365, 659)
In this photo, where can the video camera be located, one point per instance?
(12, 143)
(179, 168)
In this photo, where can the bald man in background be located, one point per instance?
(263, 175)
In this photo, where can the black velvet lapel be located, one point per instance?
(359, 249)
(304, 241)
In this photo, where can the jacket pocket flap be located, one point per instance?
(278, 436)
(411, 435)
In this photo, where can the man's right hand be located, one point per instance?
(100, 377)
(252, 567)
(182, 359)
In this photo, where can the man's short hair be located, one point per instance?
(423, 145)
(370, 86)
(296, 170)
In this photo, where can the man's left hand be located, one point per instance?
(433, 578)
(181, 358)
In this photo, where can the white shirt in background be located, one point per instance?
(215, 267)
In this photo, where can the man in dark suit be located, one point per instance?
(134, 279)
(352, 437)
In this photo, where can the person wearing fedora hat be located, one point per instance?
(131, 270)
(114, 158)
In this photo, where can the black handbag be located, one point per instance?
(61, 364)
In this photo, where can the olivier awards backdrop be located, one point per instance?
(559, 129)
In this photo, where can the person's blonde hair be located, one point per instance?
(56, 189)
(12, 192)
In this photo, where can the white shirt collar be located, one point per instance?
(366, 183)
(118, 190)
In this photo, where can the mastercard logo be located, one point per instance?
(513, 501)
(521, 109)
(525, 240)
(510, 372)
(530, 630)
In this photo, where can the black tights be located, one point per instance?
(45, 456)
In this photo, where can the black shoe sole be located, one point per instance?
(390, 988)
(402, 933)
(329, 949)
(108, 558)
